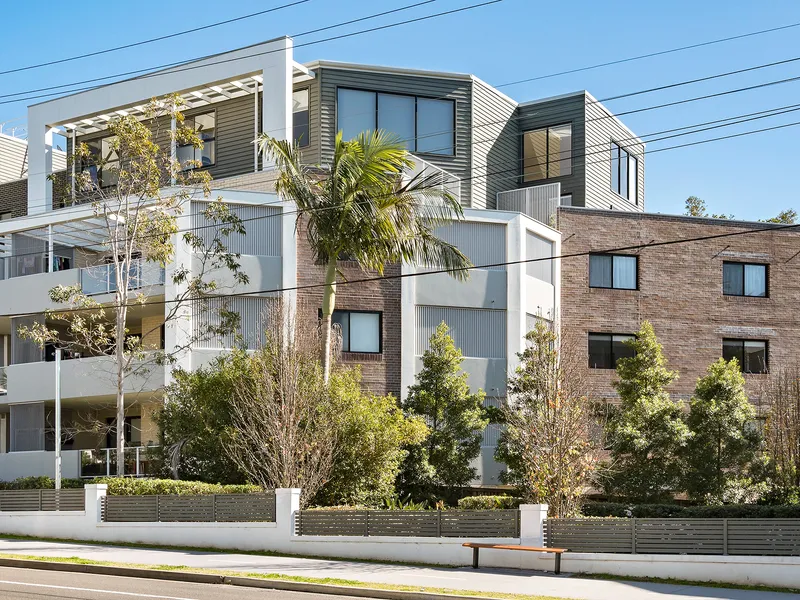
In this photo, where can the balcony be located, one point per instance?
(103, 462)
(423, 169)
(102, 279)
(3, 381)
(539, 202)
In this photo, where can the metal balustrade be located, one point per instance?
(195, 508)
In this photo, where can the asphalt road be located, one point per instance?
(31, 584)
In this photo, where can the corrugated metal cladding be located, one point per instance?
(536, 248)
(483, 243)
(480, 333)
(539, 202)
(491, 435)
(27, 427)
(459, 165)
(262, 225)
(24, 350)
(495, 148)
(252, 312)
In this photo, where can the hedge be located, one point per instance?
(661, 511)
(127, 486)
(489, 502)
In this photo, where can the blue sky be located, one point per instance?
(752, 177)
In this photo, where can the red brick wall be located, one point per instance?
(380, 372)
(680, 290)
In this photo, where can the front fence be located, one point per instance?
(409, 523)
(764, 537)
(15, 500)
(208, 508)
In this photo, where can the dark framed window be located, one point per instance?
(751, 354)
(102, 164)
(565, 200)
(614, 271)
(605, 349)
(744, 279)
(547, 152)
(205, 126)
(425, 125)
(361, 330)
(300, 118)
(624, 173)
(133, 431)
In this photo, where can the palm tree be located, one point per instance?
(358, 206)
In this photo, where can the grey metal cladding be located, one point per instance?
(495, 146)
(482, 243)
(262, 229)
(459, 165)
(478, 332)
(569, 109)
(601, 130)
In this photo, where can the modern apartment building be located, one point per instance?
(510, 164)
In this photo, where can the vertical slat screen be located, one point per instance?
(27, 427)
(480, 333)
(262, 225)
(252, 312)
(539, 202)
(24, 351)
(483, 243)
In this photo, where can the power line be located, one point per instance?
(159, 70)
(155, 39)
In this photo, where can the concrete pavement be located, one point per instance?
(486, 580)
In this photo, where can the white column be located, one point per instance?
(178, 331)
(72, 167)
(408, 329)
(287, 503)
(516, 292)
(40, 166)
(531, 524)
(94, 493)
(173, 147)
(276, 99)
(255, 128)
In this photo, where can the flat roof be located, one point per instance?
(673, 217)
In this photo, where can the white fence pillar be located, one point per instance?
(531, 524)
(95, 493)
(287, 503)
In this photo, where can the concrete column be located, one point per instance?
(40, 166)
(531, 524)
(276, 98)
(178, 331)
(95, 492)
(408, 293)
(287, 503)
(516, 293)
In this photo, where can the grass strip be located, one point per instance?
(688, 582)
(280, 577)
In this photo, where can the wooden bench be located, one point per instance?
(476, 549)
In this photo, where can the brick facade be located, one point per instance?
(380, 372)
(14, 198)
(680, 290)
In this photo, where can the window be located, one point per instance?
(204, 125)
(751, 354)
(300, 118)
(565, 200)
(740, 279)
(617, 271)
(537, 248)
(361, 331)
(133, 432)
(605, 349)
(547, 153)
(102, 164)
(425, 125)
(624, 173)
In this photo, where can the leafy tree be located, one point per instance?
(724, 440)
(787, 217)
(782, 434)
(371, 443)
(358, 206)
(546, 443)
(696, 207)
(454, 415)
(138, 223)
(647, 432)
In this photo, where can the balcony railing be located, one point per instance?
(102, 279)
(103, 462)
(539, 202)
(423, 168)
(3, 381)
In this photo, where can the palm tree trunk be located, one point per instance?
(328, 303)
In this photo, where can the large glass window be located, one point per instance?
(617, 271)
(605, 349)
(751, 354)
(204, 125)
(361, 331)
(624, 173)
(740, 279)
(425, 125)
(102, 164)
(547, 152)
(300, 118)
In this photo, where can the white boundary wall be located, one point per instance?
(279, 537)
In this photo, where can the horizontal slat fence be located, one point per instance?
(206, 508)
(755, 537)
(409, 523)
(38, 500)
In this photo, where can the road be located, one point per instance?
(32, 584)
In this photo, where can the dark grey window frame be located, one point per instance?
(99, 139)
(632, 158)
(610, 336)
(744, 265)
(416, 109)
(547, 128)
(742, 366)
(362, 312)
(304, 143)
(611, 287)
(192, 115)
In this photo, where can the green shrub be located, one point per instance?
(670, 511)
(118, 486)
(39, 483)
(489, 502)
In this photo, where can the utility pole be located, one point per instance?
(58, 419)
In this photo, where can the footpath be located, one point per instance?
(510, 581)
